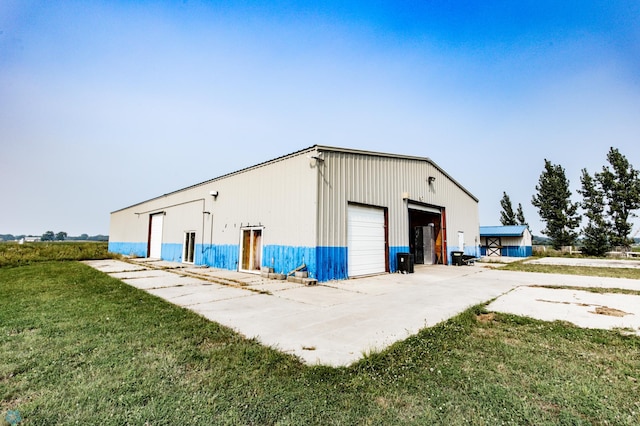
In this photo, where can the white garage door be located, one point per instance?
(155, 236)
(365, 241)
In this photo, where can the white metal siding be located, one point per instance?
(366, 241)
(279, 195)
(155, 245)
(302, 201)
(382, 181)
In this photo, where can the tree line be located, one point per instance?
(609, 199)
(56, 236)
(62, 236)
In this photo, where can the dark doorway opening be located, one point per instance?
(427, 240)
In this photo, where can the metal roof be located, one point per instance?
(312, 149)
(503, 231)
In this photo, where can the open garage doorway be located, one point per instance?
(427, 234)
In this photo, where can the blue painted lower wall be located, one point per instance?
(393, 256)
(331, 263)
(128, 249)
(323, 263)
(284, 259)
(515, 251)
(512, 251)
(218, 256)
(172, 252)
(468, 250)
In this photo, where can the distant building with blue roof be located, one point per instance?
(511, 241)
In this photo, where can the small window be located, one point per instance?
(189, 246)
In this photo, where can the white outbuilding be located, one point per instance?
(511, 241)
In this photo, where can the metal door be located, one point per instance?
(366, 242)
(155, 236)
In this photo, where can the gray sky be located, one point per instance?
(105, 104)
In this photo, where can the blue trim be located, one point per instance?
(323, 263)
(128, 249)
(284, 259)
(172, 252)
(331, 263)
(393, 256)
(511, 251)
(218, 256)
(474, 251)
(516, 251)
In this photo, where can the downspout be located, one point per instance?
(204, 212)
(445, 255)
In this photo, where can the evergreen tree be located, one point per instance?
(621, 187)
(520, 216)
(596, 232)
(555, 206)
(507, 217)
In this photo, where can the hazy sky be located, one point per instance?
(105, 104)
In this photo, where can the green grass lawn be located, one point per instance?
(633, 273)
(80, 347)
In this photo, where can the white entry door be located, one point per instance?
(189, 247)
(366, 242)
(155, 236)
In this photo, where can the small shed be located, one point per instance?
(511, 241)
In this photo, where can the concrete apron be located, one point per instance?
(336, 323)
(597, 263)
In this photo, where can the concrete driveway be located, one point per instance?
(336, 323)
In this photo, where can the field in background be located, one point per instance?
(14, 254)
(80, 347)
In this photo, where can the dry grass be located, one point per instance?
(14, 254)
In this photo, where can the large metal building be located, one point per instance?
(341, 212)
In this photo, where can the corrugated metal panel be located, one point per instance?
(223, 177)
(279, 196)
(382, 181)
(323, 148)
